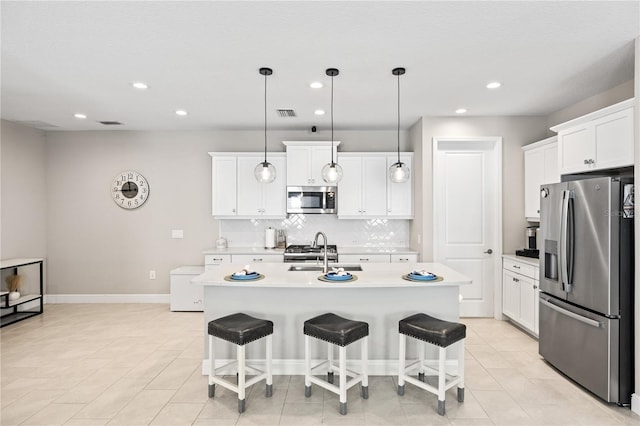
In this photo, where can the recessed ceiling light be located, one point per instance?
(140, 85)
(494, 85)
(319, 112)
(461, 111)
(80, 116)
(181, 112)
(316, 85)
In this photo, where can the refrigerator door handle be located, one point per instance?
(566, 253)
(568, 313)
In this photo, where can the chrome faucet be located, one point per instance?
(325, 265)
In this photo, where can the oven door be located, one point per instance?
(308, 199)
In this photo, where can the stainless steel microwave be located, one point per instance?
(312, 199)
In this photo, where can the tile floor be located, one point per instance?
(138, 364)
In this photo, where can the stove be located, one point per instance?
(306, 253)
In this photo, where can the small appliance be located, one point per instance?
(312, 199)
(531, 243)
(221, 243)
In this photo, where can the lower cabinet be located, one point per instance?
(377, 258)
(256, 258)
(520, 294)
(184, 295)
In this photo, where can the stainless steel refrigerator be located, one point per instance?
(586, 283)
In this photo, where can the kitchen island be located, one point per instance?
(379, 296)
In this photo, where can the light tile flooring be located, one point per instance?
(137, 364)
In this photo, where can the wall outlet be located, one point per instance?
(152, 275)
(177, 233)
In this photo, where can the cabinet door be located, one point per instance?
(350, 188)
(274, 194)
(249, 198)
(534, 162)
(400, 195)
(364, 258)
(614, 140)
(184, 295)
(374, 186)
(536, 307)
(577, 147)
(320, 155)
(551, 171)
(252, 259)
(223, 186)
(510, 295)
(527, 303)
(404, 258)
(298, 165)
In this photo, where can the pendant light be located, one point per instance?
(265, 172)
(399, 172)
(332, 172)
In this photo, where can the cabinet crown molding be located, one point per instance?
(543, 142)
(310, 143)
(629, 103)
(247, 154)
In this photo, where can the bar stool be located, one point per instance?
(240, 329)
(439, 333)
(336, 330)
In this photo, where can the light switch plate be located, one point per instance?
(177, 233)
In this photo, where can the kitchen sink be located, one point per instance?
(307, 268)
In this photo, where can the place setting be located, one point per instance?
(246, 274)
(422, 276)
(337, 275)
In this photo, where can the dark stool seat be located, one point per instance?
(334, 329)
(432, 330)
(240, 328)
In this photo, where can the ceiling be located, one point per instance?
(61, 58)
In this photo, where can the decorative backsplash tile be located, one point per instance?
(301, 229)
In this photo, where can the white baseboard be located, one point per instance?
(635, 403)
(295, 367)
(106, 298)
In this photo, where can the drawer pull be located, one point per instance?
(364, 259)
(516, 266)
(257, 260)
(516, 280)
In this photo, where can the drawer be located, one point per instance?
(217, 259)
(404, 258)
(519, 268)
(363, 258)
(257, 258)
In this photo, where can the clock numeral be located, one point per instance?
(122, 201)
(130, 175)
(144, 190)
(117, 196)
(136, 202)
(124, 177)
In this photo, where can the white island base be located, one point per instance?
(380, 296)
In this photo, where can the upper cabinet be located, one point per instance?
(305, 161)
(365, 190)
(599, 140)
(236, 194)
(540, 167)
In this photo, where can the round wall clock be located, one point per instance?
(130, 190)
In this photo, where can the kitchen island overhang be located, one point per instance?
(379, 296)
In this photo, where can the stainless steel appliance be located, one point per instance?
(531, 238)
(312, 199)
(586, 283)
(308, 254)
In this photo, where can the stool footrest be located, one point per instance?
(333, 388)
(234, 387)
(448, 384)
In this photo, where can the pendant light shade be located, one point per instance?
(265, 172)
(332, 172)
(399, 172)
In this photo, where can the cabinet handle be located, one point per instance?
(233, 210)
(516, 280)
(257, 260)
(218, 259)
(516, 266)
(535, 286)
(403, 260)
(592, 161)
(586, 161)
(364, 260)
(538, 211)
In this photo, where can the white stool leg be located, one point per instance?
(365, 372)
(212, 367)
(269, 356)
(241, 378)
(421, 350)
(441, 380)
(343, 379)
(330, 358)
(307, 366)
(401, 362)
(461, 372)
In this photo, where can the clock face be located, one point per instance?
(130, 190)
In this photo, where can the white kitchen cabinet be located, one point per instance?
(364, 258)
(599, 140)
(540, 167)
(257, 199)
(363, 188)
(400, 195)
(305, 161)
(223, 185)
(212, 261)
(404, 258)
(520, 294)
(184, 295)
(236, 194)
(251, 259)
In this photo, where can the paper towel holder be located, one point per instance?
(270, 238)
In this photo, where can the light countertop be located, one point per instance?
(373, 275)
(341, 250)
(243, 250)
(528, 260)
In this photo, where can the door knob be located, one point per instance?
(489, 251)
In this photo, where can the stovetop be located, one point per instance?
(299, 248)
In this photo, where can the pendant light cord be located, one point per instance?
(265, 118)
(398, 118)
(332, 120)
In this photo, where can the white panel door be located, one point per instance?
(374, 186)
(533, 178)
(223, 186)
(465, 227)
(249, 189)
(320, 155)
(551, 171)
(577, 148)
(298, 163)
(400, 195)
(614, 140)
(274, 194)
(350, 188)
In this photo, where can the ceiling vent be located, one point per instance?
(286, 113)
(111, 123)
(37, 124)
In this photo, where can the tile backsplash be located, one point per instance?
(301, 229)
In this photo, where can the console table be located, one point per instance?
(5, 303)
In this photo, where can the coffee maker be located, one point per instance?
(531, 242)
